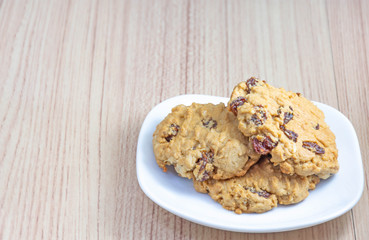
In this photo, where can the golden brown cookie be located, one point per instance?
(286, 125)
(202, 141)
(260, 190)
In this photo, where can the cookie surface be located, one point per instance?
(202, 141)
(260, 190)
(286, 125)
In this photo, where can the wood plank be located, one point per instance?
(349, 30)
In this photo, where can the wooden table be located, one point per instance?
(78, 78)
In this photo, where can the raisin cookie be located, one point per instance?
(260, 190)
(202, 141)
(288, 126)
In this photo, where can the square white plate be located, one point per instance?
(331, 198)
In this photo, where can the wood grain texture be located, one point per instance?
(77, 79)
(350, 53)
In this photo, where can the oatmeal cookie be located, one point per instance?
(202, 142)
(260, 190)
(286, 125)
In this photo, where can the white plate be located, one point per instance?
(332, 197)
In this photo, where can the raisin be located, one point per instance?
(209, 123)
(264, 194)
(206, 157)
(261, 193)
(317, 127)
(263, 147)
(298, 94)
(259, 117)
(236, 103)
(290, 134)
(251, 83)
(287, 117)
(256, 120)
(291, 108)
(173, 131)
(312, 146)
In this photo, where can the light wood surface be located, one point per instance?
(77, 79)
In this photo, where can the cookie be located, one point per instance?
(260, 190)
(202, 142)
(286, 125)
